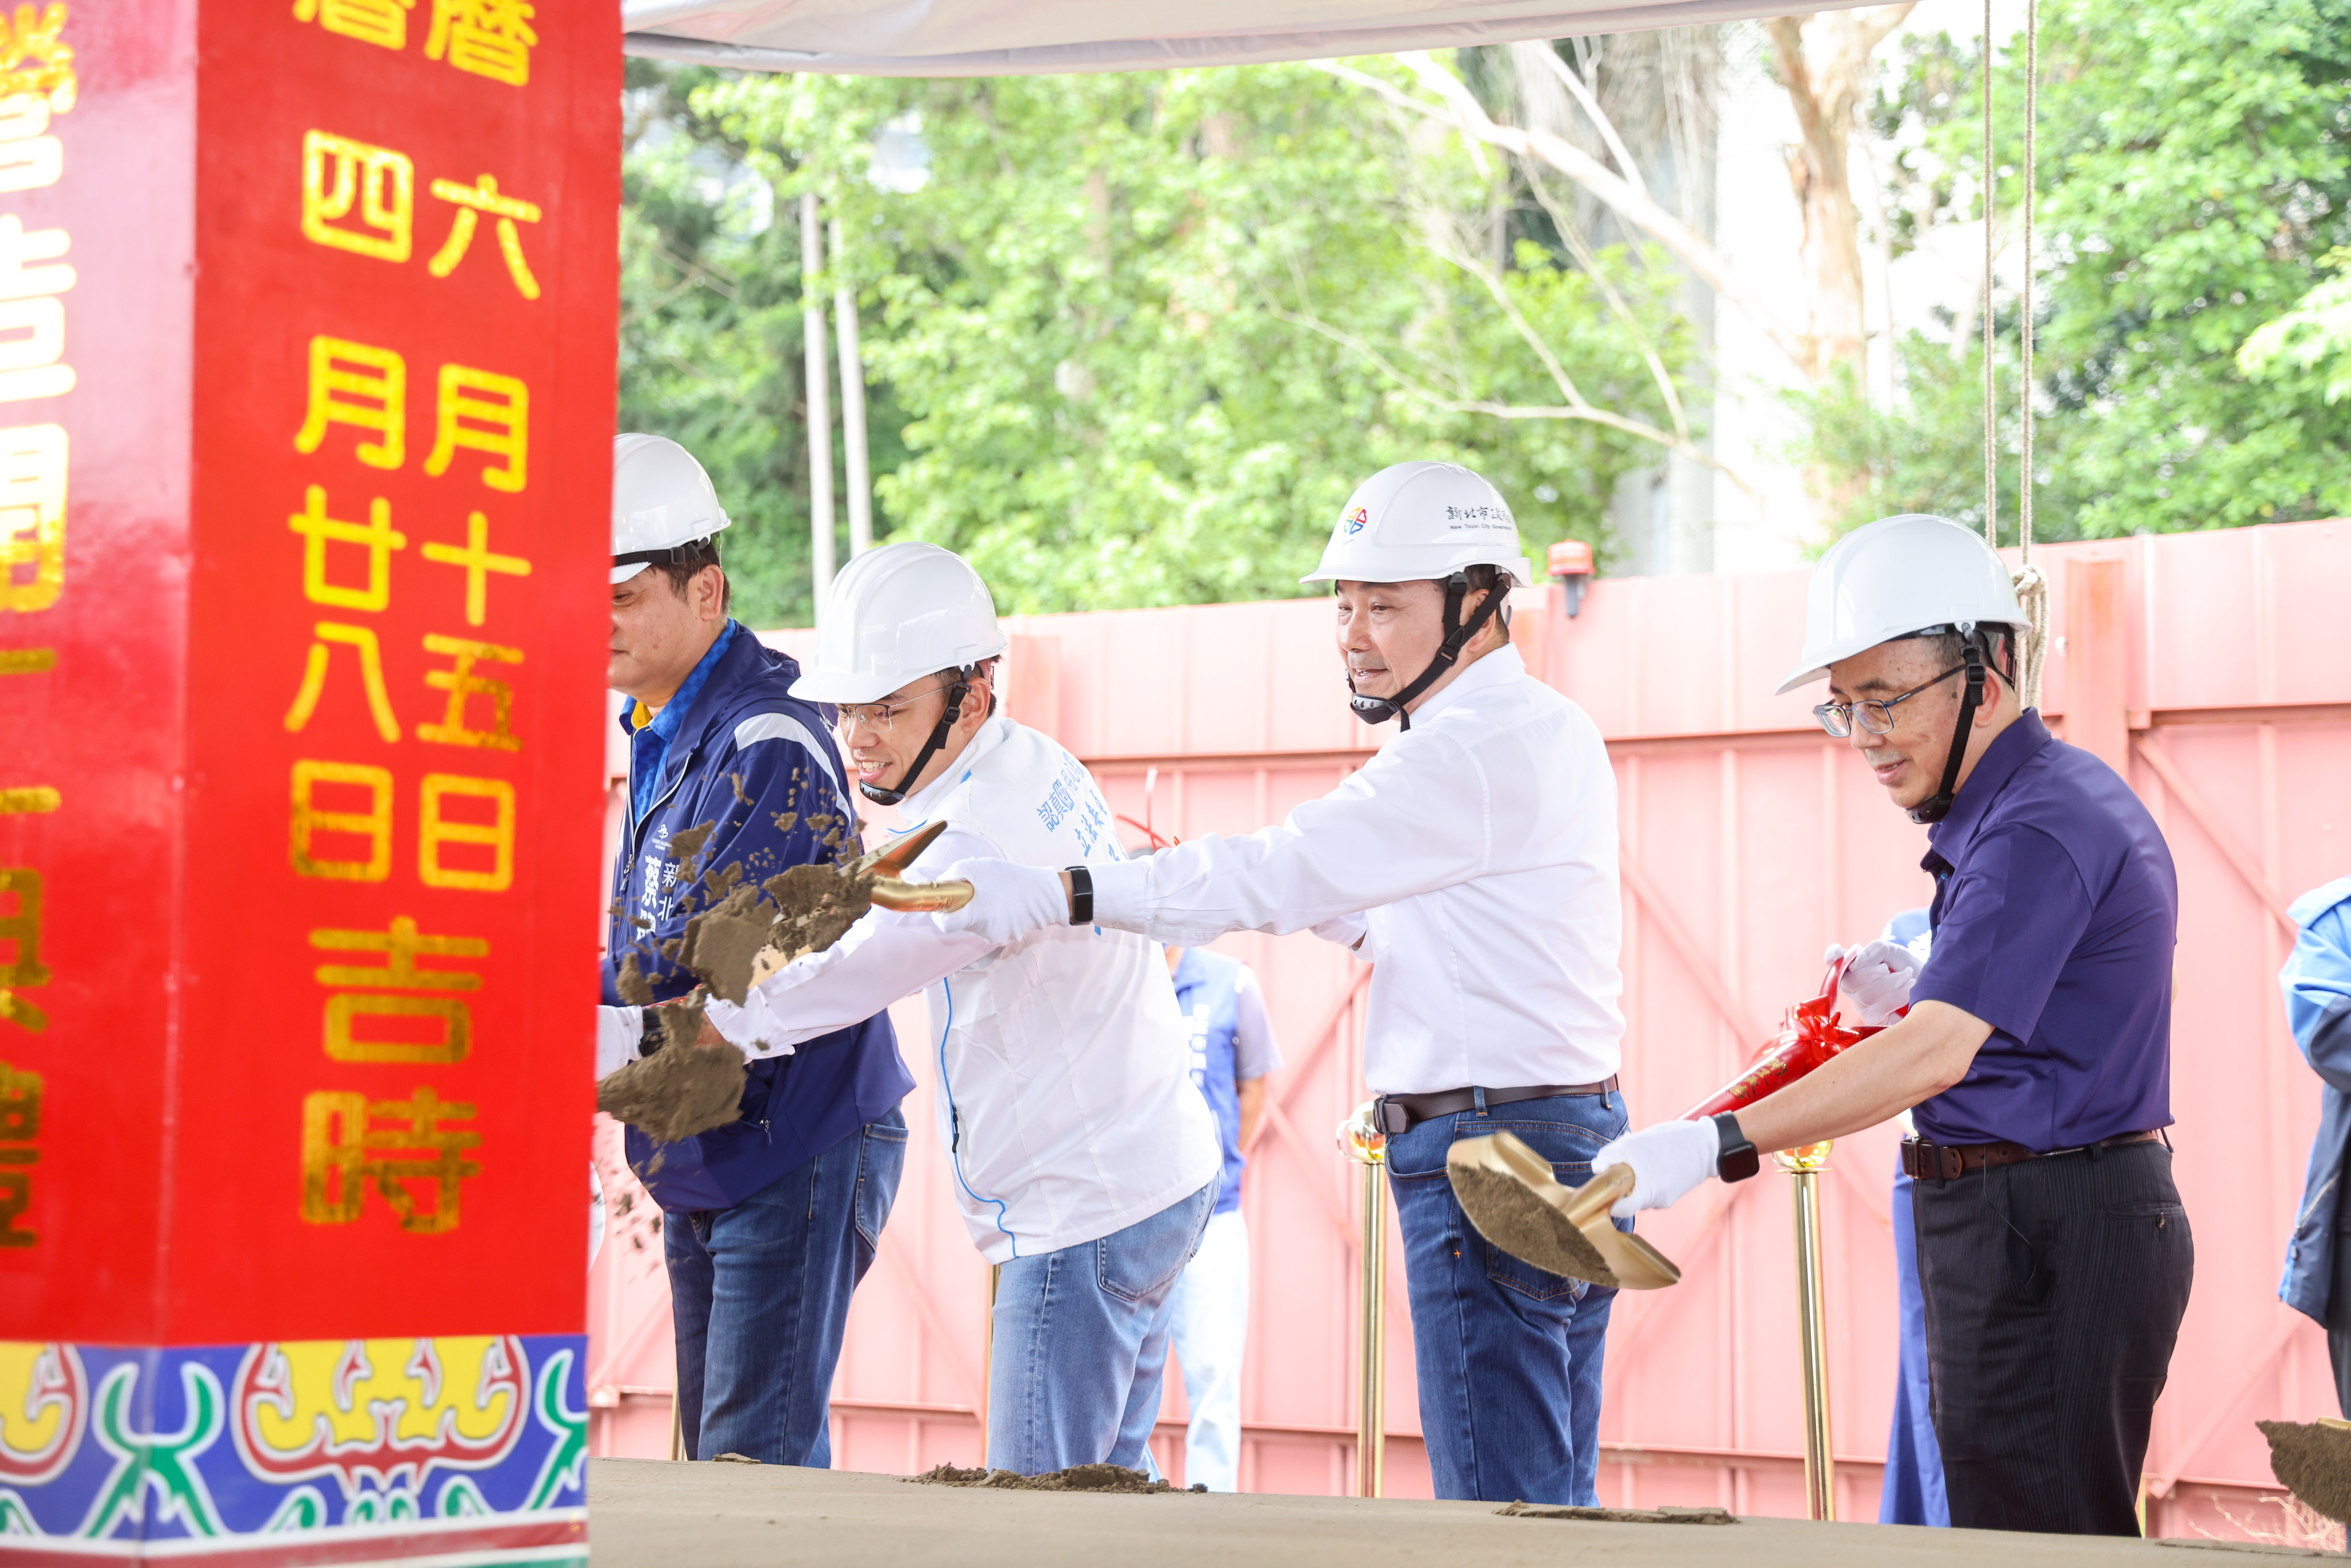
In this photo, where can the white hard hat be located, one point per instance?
(1896, 577)
(893, 615)
(660, 499)
(1416, 520)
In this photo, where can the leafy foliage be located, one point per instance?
(2195, 169)
(1134, 339)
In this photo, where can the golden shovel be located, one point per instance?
(893, 892)
(1511, 1196)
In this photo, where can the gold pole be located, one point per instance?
(1820, 1467)
(1361, 1139)
(987, 1359)
(676, 1425)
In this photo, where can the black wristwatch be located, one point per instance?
(1735, 1159)
(1081, 896)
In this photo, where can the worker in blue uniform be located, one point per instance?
(1233, 1049)
(773, 1219)
(2054, 1257)
(2316, 980)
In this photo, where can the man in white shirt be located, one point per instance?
(1474, 861)
(1086, 1163)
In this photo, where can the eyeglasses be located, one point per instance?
(1876, 717)
(879, 717)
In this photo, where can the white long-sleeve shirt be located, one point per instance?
(1480, 844)
(1065, 1098)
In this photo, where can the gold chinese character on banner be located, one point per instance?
(21, 968)
(461, 683)
(401, 944)
(488, 37)
(476, 557)
(436, 830)
(314, 677)
(338, 174)
(32, 517)
(310, 821)
(31, 318)
(383, 23)
(377, 535)
(398, 1147)
(483, 412)
(471, 201)
(34, 57)
(362, 386)
(28, 158)
(20, 1133)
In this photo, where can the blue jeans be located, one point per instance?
(1080, 1339)
(759, 1294)
(1508, 1357)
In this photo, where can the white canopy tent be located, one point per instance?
(1031, 38)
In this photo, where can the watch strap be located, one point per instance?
(1081, 896)
(1735, 1157)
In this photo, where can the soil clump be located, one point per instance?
(1077, 1478)
(678, 1091)
(2314, 1460)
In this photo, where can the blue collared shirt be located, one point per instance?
(649, 745)
(2055, 912)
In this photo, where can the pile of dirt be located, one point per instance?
(1668, 1514)
(2314, 1460)
(1077, 1478)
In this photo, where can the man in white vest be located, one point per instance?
(1085, 1160)
(1474, 861)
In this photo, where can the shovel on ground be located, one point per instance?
(893, 892)
(1511, 1196)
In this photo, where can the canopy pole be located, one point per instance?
(819, 402)
(2031, 586)
(860, 475)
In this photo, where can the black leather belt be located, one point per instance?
(1923, 1161)
(1402, 1112)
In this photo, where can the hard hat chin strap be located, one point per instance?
(1938, 805)
(1379, 710)
(880, 796)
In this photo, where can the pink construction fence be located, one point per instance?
(2206, 668)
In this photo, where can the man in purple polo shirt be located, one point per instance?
(2054, 1255)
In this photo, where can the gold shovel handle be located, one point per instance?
(893, 893)
(1595, 1198)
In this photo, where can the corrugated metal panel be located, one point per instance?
(1749, 843)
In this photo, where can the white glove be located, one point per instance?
(1007, 901)
(1876, 984)
(1347, 930)
(1667, 1160)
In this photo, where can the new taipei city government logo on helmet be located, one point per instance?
(1352, 523)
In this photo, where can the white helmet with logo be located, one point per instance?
(1416, 520)
(893, 615)
(1898, 577)
(661, 500)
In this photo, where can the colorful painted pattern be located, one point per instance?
(466, 1448)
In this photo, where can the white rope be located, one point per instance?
(2032, 586)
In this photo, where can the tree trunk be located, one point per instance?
(1824, 66)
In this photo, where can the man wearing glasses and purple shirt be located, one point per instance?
(2054, 1255)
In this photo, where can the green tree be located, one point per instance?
(1136, 337)
(2195, 169)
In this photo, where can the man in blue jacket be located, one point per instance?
(2316, 980)
(773, 1219)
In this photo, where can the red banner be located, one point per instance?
(300, 643)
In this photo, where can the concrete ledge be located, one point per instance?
(644, 1513)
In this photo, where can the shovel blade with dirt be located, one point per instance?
(1509, 1194)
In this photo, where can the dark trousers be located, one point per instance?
(2339, 1322)
(2053, 1290)
(759, 1296)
